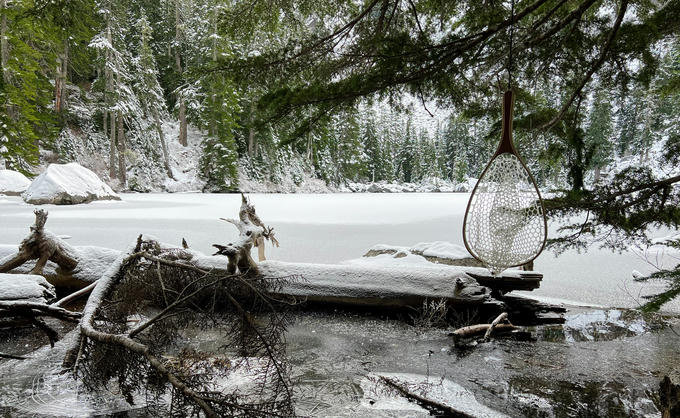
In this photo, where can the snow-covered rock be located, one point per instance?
(13, 183)
(67, 184)
(26, 288)
(439, 252)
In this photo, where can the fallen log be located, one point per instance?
(435, 408)
(25, 288)
(478, 330)
(92, 261)
(494, 324)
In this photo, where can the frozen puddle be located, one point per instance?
(380, 397)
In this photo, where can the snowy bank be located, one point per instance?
(67, 184)
(13, 183)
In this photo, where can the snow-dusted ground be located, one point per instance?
(325, 228)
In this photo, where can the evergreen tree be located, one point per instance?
(598, 135)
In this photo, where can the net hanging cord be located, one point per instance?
(512, 31)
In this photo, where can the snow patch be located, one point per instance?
(13, 183)
(67, 184)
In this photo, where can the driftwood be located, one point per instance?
(494, 324)
(500, 325)
(42, 245)
(252, 232)
(436, 408)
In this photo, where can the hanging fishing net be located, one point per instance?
(504, 224)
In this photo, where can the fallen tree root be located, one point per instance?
(42, 245)
(429, 404)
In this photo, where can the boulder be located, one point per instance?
(13, 183)
(67, 184)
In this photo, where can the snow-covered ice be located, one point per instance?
(13, 183)
(67, 184)
(327, 228)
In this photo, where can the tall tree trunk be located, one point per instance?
(60, 79)
(112, 147)
(164, 146)
(108, 94)
(57, 86)
(251, 131)
(178, 64)
(122, 172)
(4, 56)
(4, 47)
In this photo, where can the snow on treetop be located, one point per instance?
(67, 184)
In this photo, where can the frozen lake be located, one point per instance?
(324, 228)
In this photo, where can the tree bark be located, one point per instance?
(112, 146)
(178, 64)
(251, 131)
(4, 47)
(60, 79)
(122, 170)
(164, 146)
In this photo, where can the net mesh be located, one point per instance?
(505, 225)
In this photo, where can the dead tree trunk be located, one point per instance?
(178, 65)
(42, 245)
(122, 170)
(164, 146)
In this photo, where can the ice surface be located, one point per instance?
(67, 184)
(440, 390)
(13, 183)
(326, 228)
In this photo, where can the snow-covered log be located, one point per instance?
(67, 184)
(48, 255)
(92, 261)
(25, 288)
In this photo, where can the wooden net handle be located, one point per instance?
(506, 145)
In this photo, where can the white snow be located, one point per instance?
(441, 249)
(67, 184)
(13, 183)
(26, 288)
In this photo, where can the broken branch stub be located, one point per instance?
(252, 232)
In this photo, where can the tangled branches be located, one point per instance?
(137, 332)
